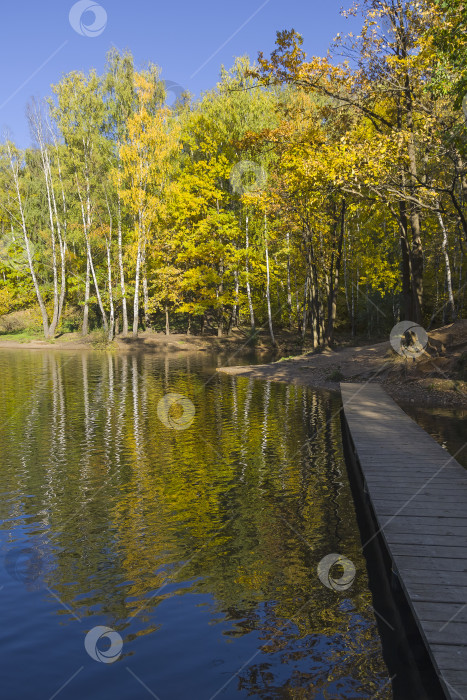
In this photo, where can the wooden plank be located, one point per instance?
(426, 550)
(418, 493)
(441, 470)
(448, 634)
(456, 679)
(397, 491)
(430, 563)
(441, 613)
(411, 482)
(452, 658)
(418, 523)
(393, 538)
(432, 593)
(421, 508)
(438, 577)
(420, 500)
(405, 513)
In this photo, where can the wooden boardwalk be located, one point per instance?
(418, 494)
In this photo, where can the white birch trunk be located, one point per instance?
(247, 271)
(15, 172)
(268, 294)
(444, 247)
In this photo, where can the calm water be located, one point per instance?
(197, 547)
(449, 428)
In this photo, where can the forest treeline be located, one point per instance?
(300, 193)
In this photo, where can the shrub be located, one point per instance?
(335, 376)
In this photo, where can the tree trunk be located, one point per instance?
(313, 316)
(87, 284)
(15, 172)
(220, 292)
(268, 294)
(167, 324)
(136, 297)
(145, 298)
(87, 221)
(233, 323)
(122, 274)
(61, 236)
(96, 287)
(108, 242)
(407, 291)
(111, 298)
(414, 212)
(305, 308)
(289, 289)
(37, 124)
(334, 281)
(247, 271)
(48, 186)
(444, 246)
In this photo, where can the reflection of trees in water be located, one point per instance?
(247, 501)
(446, 427)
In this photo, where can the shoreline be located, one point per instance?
(413, 392)
(432, 381)
(145, 342)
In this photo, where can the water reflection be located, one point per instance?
(448, 427)
(199, 546)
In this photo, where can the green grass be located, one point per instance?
(22, 336)
(286, 359)
(28, 335)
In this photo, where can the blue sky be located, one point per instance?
(189, 40)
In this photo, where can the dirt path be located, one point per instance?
(435, 378)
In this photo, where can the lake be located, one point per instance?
(168, 532)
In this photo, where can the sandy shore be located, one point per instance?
(236, 343)
(432, 380)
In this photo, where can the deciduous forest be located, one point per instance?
(318, 195)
